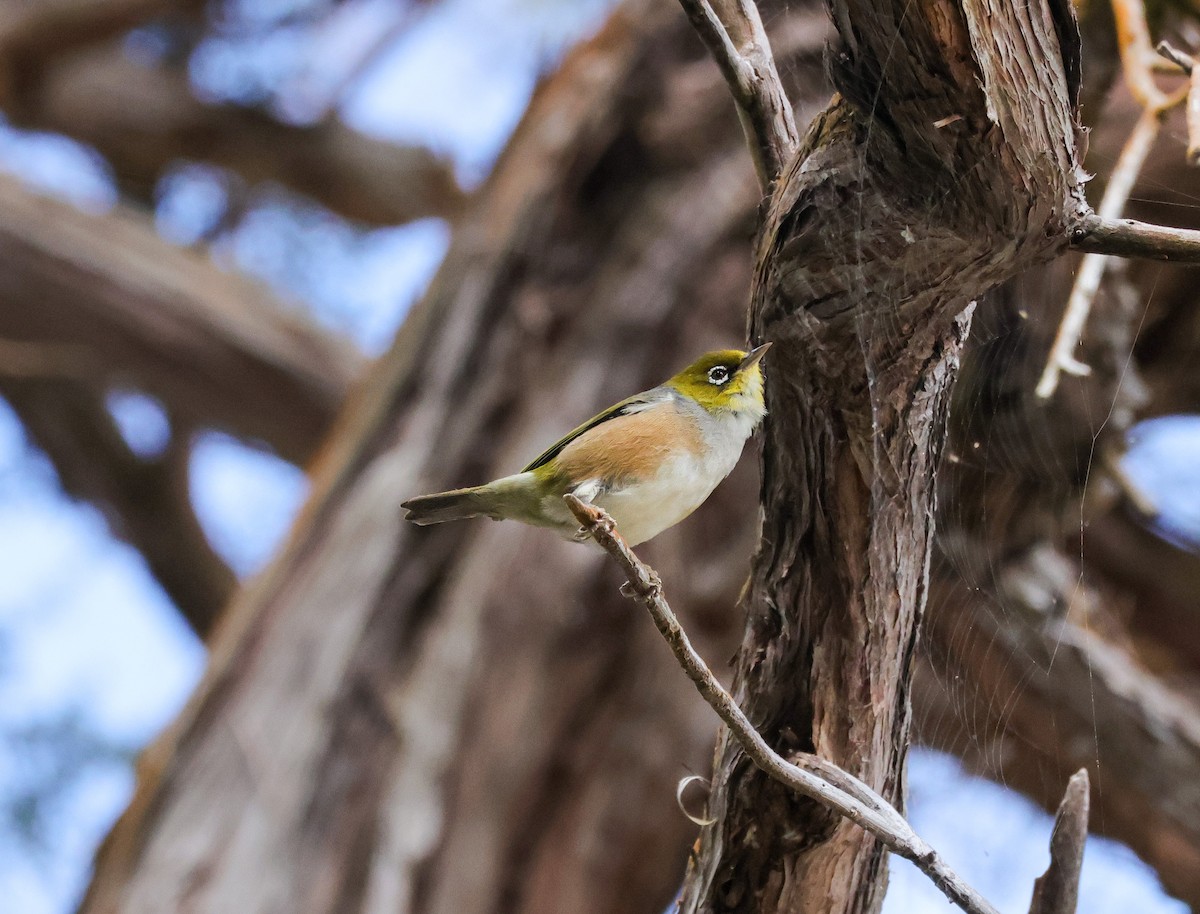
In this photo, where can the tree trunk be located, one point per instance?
(882, 232)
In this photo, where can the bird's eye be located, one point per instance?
(718, 375)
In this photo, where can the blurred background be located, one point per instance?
(217, 215)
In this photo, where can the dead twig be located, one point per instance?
(1057, 890)
(1091, 270)
(734, 34)
(1183, 61)
(1099, 234)
(1187, 64)
(1130, 238)
(814, 778)
(1138, 59)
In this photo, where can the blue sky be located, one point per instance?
(87, 637)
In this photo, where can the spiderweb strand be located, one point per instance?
(734, 34)
(817, 779)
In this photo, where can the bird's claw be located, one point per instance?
(651, 590)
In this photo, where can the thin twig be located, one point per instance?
(1137, 59)
(734, 34)
(1176, 56)
(1057, 890)
(1185, 63)
(815, 778)
(1091, 269)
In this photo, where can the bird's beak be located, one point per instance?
(753, 356)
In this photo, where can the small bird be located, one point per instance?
(649, 461)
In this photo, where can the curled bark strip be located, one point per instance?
(681, 788)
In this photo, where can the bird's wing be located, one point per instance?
(633, 404)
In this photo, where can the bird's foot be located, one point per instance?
(650, 589)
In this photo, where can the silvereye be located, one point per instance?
(649, 461)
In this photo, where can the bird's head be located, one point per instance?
(728, 380)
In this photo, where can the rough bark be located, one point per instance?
(882, 232)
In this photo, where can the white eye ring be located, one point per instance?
(718, 375)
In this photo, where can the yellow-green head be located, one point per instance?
(726, 380)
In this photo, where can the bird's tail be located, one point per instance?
(454, 505)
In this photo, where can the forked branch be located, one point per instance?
(815, 778)
(734, 34)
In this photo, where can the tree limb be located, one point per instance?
(49, 27)
(144, 119)
(210, 345)
(1031, 692)
(1130, 238)
(146, 501)
(1091, 270)
(817, 779)
(734, 34)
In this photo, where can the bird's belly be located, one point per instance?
(643, 510)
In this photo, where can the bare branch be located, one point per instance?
(816, 779)
(1091, 271)
(1138, 59)
(1176, 56)
(734, 34)
(1130, 238)
(1057, 890)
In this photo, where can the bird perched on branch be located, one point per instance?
(649, 461)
